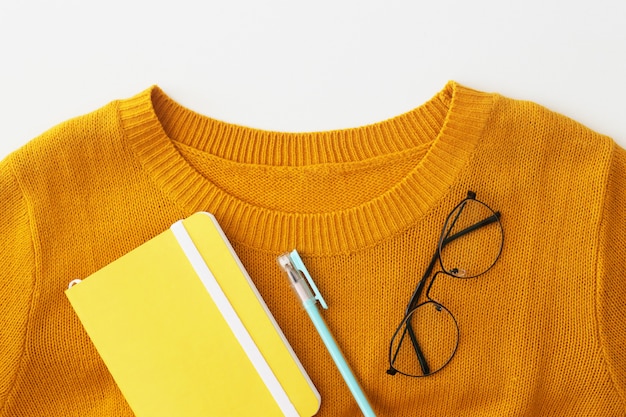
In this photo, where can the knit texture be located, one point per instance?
(543, 333)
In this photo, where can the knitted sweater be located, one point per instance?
(542, 333)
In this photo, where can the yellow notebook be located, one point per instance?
(184, 331)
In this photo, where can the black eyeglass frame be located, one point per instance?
(444, 239)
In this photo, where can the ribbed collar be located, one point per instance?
(450, 125)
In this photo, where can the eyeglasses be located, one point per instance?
(469, 245)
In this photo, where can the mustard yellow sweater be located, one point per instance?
(543, 333)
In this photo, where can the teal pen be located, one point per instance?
(307, 291)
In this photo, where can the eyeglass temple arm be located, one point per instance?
(486, 221)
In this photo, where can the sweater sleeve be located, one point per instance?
(16, 276)
(611, 295)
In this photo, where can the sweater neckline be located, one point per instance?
(449, 125)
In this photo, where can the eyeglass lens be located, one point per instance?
(471, 240)
(432, 330)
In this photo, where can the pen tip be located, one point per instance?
(283, 260)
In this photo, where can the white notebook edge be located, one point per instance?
(234, 322)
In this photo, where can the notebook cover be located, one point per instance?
(163, 337)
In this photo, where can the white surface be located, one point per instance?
(301, 66)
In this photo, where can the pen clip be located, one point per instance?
(298, 264)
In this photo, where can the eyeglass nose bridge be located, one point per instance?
(430, 285)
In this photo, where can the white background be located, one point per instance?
(302, 66)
